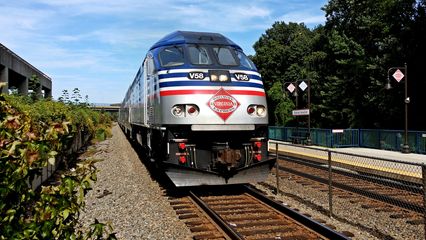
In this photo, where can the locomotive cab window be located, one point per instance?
(225, 56)
(171, 56)
(245, 61)
(199, 55)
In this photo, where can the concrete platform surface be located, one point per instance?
(367, 152)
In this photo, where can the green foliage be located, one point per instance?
(33, 135)
(35, 85)
(286, 53)
(347, 61)
(74, 99)
(64, 98)
(282, 113)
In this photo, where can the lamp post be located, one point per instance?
(398, 76)
(294, 88)
(309, 140)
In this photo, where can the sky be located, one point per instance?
(97, 46)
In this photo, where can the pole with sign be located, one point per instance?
(293, 88)
(398, 75)
(300, 112)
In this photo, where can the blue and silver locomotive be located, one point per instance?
(198, 107)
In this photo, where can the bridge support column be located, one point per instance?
(4, 77)
(47, 93)
(23, 86)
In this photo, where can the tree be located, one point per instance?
(76, 96)
(285, 53)
(65, 97)
(384, 31)
(338, 103)
(347, 61)
(35, 85)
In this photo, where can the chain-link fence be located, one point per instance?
(355, 187)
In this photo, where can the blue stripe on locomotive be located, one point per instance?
(185, 74)
(208, 83)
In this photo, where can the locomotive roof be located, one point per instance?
(182, 37)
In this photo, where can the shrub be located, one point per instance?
(34, 134)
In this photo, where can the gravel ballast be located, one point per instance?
(364, 223)
(126, 197)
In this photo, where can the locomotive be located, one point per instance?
(198, 108)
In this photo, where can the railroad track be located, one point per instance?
(406, 201)
(244, 213)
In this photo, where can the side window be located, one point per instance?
(171, 56)
(245, 61)
(225, 56)
(199, 55)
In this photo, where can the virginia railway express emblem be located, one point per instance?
(223, 104)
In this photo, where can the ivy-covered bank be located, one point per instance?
(33, 136)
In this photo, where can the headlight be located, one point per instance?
(219, 76)
(177, 111)
(261, 111)
(192, 110)
(185, 110)
(256, 110)
(223, 78)
(213, 78)
(251, 110)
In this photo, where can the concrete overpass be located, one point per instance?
(112, 108)
(16, 73)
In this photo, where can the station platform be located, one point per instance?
(402, 166)
(368, 152)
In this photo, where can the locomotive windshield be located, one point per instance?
(245, 61)
(171, 56)
(199, 55)
(224, 56)
(207, 55)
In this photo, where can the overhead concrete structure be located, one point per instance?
(16, 73)
(107, 107)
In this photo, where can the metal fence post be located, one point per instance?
(277, 166)
(330, 188)
(424, 198)
(417, 143)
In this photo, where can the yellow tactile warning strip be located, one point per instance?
(411, 176)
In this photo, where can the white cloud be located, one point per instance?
(93, 44)
(307, 17)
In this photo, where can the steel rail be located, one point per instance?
(306, 221)
(387, 181)
(218, 220)
(369, 194)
